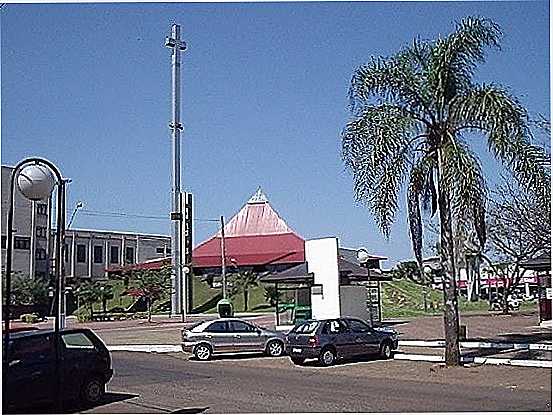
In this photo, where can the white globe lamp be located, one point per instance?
(363, 255)
(36, 182)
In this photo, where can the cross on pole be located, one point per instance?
(177, 282)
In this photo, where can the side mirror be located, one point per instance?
(258, 331)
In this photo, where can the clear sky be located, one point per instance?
(264, 90)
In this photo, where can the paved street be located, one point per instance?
(166, 383)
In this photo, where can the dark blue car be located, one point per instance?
(30, 375)
(341, 338)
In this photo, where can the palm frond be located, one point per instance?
(418, 183)
(395, 80)
(376, 149)
(455, 57)
(465, 184)
(492, 110)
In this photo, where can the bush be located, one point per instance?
(83, 315)
(29, 318)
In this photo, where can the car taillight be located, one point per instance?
(313, 341)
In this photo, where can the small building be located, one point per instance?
(331, 283)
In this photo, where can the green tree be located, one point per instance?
(152, 285)
(28, 291)
(272, 295)
(413, 114)
(241, 283)
(89, 293)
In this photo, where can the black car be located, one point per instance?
(340, 338)
(30, 375)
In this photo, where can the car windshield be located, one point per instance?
(306, 328)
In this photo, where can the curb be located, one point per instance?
(146, 348)
(478, 360)
(478, 345)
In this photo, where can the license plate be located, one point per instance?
(296, 350)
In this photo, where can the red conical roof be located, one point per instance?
(256, 235)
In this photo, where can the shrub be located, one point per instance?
(83, 315)
(29, 318)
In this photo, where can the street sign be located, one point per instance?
(176, 216)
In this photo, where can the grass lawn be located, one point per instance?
(400, 298)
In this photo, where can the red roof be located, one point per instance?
(251, 250)
(256, 235)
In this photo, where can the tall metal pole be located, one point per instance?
(223, 259)
(177, 45)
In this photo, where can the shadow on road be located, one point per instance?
(244, 356)
(71, 407)
(191, 410)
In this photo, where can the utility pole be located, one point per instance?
(177, 45)
(223, 259)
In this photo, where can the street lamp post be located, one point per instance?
(35, 180)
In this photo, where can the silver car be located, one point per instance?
(230, 335)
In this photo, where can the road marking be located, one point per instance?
(478, 345)
(481, 360)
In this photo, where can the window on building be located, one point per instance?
(42, 209)
(66, 252)
(4, 241)
(129, 255)
(98, 254)
(160, 250)
(81, 253)
(114, 255)
(40, 253)
(21, 242)
(41, 232)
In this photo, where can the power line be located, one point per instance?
(99, 213)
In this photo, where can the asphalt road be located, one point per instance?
(165, 383)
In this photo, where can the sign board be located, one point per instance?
(176, 216)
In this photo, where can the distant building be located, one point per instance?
(88, 252)
(31, 244)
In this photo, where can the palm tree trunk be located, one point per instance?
(149, 308)
(451, 309)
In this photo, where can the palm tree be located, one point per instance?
(413, 115)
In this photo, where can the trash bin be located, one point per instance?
(224, 308)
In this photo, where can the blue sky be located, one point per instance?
(264, 90)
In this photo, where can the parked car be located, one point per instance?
(230, 335)
(341, 338)
(85, 368)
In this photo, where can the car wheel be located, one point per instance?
(327, 357)
(203, 352)
(275, 348)
(298, 360)
(92, 391)
(385, 350)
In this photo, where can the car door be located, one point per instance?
(31, 370)
(247, 338)
(219, 336)
(337, 333)
(364, 337)
(79, 359)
